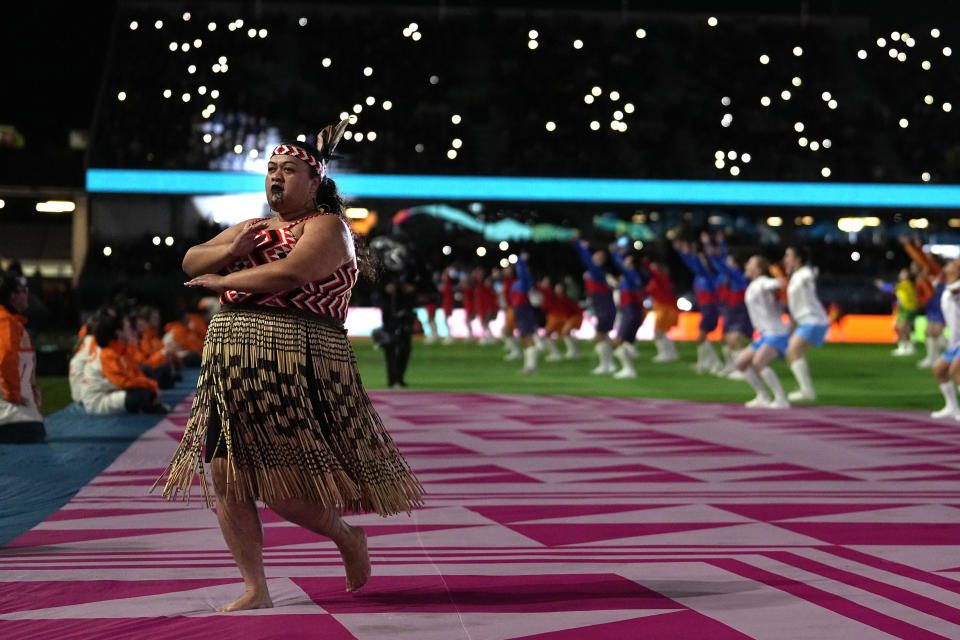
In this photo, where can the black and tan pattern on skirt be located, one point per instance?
(296, 420)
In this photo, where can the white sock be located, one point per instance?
(933, 348)
(750, 375)
(571, 345)
(949, 391)
(530, 359)
(801, 371)
(727, 355)
(770, 377)
(606, 354)
(513, 345)
(710, 359)
(551, 345)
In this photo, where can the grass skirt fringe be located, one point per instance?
(296, 420)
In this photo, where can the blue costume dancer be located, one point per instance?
(601, 301)
(632, 287)
(731, 290)
(705, 287)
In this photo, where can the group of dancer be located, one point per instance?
(746, 297)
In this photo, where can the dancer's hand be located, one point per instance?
(211, 281)
(246, 240)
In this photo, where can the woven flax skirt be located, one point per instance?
(294, 418)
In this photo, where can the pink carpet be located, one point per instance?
(548, 518)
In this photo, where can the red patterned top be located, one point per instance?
(330, 296)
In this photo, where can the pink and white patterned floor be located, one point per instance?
(548, 518)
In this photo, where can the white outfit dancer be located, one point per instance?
(766, 315)
(812, 326)
(949, 362)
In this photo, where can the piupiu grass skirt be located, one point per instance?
(295, 420)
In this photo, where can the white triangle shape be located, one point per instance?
(288, 599)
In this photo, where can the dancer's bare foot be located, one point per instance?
(249, 600)
(356, 559)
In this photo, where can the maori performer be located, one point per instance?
(280, 408)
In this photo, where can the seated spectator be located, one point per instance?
(156, 360)
(85, 351)
(187, 344)
(20, 418)
(114, 381)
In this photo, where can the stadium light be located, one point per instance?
(107, 251)
(796, 81)
(641, 33)
(551, 126)
(774, 221)
(745, 158)
(798, 51)
(925, 176)
(134, 25)
(168, 241)
(765, 101)
(455, 118)
(850, 225)
(734, 170)
(56, 206)
(855, 256)
(764, 59)
(578, 44)
(614, 95)
(156, 241)
(504, 245)
(481, 251)
(862, 54)
(588, 98)
(814, 145)
(785, 94)
(712, 21)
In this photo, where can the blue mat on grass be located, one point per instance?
(37, 479)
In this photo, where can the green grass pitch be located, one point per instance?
(857, 375)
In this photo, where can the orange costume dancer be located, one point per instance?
(565, 316)
(660, 289)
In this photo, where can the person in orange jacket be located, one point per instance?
(115, 381)
(157, 360)
(187, 344)
(20, 419)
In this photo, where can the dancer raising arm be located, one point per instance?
(632, 287)
(737, 328)
(601, 301)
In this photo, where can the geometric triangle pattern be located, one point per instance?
(546, 518)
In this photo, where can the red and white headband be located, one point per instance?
(303, 154)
